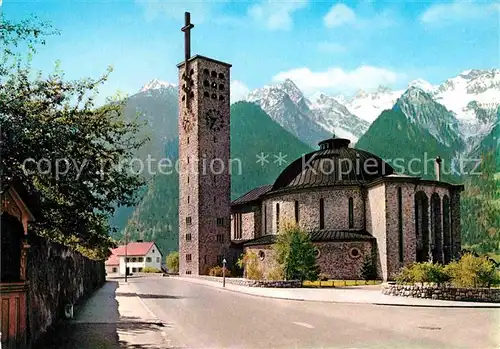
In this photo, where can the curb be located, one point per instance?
(340, 302)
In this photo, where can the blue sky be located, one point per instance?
(335, 47)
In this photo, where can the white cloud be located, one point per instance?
(458, 11)
(338, 15)
(331, 47)
(238, 91)
(276, 15)
(336, 79)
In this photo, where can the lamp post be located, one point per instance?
(224, 272)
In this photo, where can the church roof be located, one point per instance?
(252, 195)
(318, 236)
(335, 163)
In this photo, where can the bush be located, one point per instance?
(296, 253)
(252, 270)
(472, 271)
(217, 271)
(423, 272)
(369, 269)
(276, 273)
(151, 270)
(173, 262)
(323, 277)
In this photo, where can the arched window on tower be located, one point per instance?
(277, 217)
(321, 213)
(351, 213)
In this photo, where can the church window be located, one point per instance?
(321, 213)
(188, 140)
(188, 220)
(191, 94)
(221, 98)
(183, 87)
(220, 222)
(188, 179)
(215, 198)
(265, 219)
(351, 213)
(206, 72)
(220, 238)
(206, 83)
(400, 225)
(214, 74)
(296, 212)
(183, 98)
(188, 272)
(206, 94)
(205, 259)
(221, 76)
(188, 258)
(215, 179)
(262, 255)
(237, 226)
(317, 252)
(214, 85)
(188, 237)
(354, 253)
(221, 87)
(191, 72)
(188, 160)
(220, 258)
(214, 96)
(188, 199)
(277, 217)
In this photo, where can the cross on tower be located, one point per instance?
(187, 54)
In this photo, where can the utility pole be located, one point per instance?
(126, 243)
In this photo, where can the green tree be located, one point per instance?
(82, 149)
(296, 254)
(173, 262)
(369, 268)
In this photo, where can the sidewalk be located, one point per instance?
(352, 294)
(113, 318)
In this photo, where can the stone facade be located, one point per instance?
(246, 224)
(336, 209)
(444, 293)
(204, 164)
(337, 260)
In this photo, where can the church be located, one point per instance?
(352, 203)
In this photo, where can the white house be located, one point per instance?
(138, 255)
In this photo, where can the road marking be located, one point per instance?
(303, 324)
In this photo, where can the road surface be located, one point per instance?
(200, 316)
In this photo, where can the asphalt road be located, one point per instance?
(199, 316)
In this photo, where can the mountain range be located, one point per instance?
(454, 120)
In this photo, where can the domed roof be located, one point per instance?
(333, 164)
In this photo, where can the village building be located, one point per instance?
(136, 255)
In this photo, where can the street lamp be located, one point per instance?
(224, 272)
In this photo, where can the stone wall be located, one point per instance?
(336, 206)
(254, 283)
(444, 293)
(56, 276)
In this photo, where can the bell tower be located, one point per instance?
(204, 161)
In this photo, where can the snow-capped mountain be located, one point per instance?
(156, 84)
(310, 120)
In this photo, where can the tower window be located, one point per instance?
(215, 179)
(191, 94)
(214, 74)
(214, 96)
(220, 222)
(214, 85)
(188, 220)
(188, 199)
(215, 139)
(206, 83)
(188, 140)
(321, 213)
(191, 72)
(206, 72)
(277, 217)
(221, 98)
(206, 94)
(351, 213)
(188, 237)
(220, 238)
(296, 212)
(221, 76)
(188, 160)
(188, 258)
(183, 98)
(221, 87)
